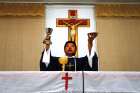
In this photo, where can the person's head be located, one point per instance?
(70, 48)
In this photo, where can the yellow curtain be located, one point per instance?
(22, 9)
(118, 10)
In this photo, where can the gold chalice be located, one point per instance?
(92, 35)
(63, 61)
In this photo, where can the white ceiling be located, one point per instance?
(72, 1)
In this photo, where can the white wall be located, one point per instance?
(60, 34)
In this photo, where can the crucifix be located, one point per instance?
(72, 22)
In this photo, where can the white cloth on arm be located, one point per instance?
(46, 57)
(91, 56)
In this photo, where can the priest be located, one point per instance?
(69, 63)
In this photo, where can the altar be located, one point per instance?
(69, 82)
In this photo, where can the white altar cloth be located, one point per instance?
(51, 82)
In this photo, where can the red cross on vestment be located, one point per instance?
(72, 22)
(66, 78)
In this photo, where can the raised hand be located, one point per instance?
(91, 37)
(47, 39)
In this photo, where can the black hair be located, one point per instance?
(70, 42)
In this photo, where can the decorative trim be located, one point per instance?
(22, 9)
(117, 10)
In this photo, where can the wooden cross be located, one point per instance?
(72, 22)
(66, 78)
